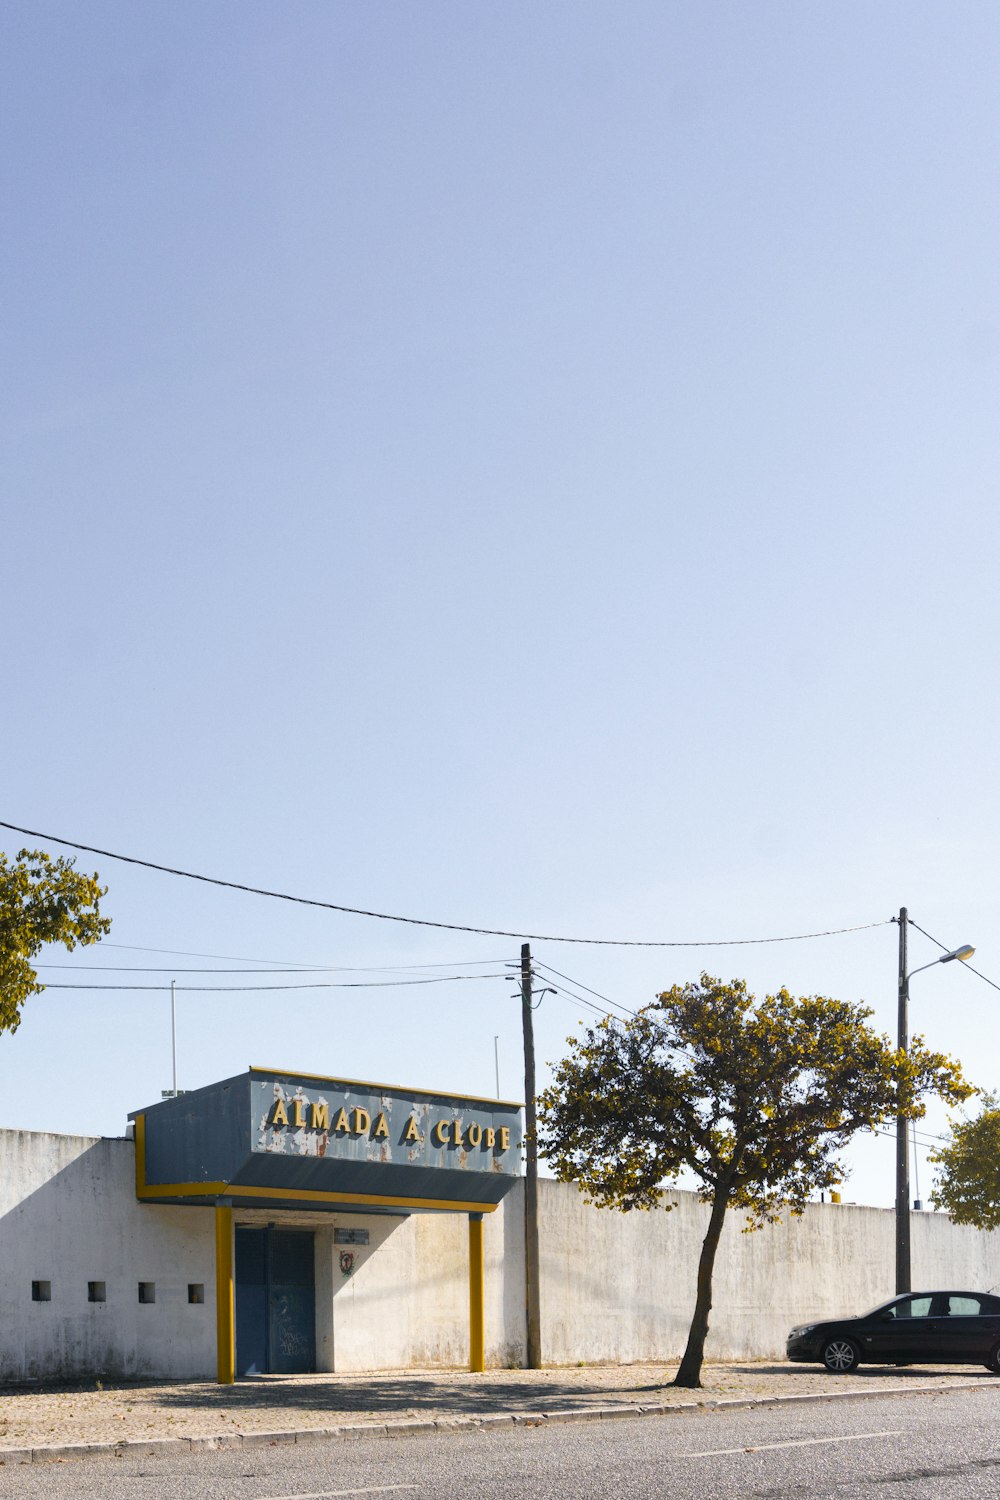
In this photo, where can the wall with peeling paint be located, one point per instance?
(614, 1286)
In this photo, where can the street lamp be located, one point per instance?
(902, 1145)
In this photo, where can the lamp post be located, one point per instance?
(902, 1143)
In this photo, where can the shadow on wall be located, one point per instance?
(350, 1260)
(91, 1277)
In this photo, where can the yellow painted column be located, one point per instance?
(477, 1295)
(225, 1295)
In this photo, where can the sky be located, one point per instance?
(530, 467)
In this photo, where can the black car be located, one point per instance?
(921, 1328)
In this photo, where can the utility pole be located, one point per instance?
(532, 1299)
(902, 1129)
(963, 954)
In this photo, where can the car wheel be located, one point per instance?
(840, 1356)
(993, 1363)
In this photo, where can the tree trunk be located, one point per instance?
(689, 1373)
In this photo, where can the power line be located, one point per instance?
(293, 965)
(581, 986)
(565, 994)
(231, 958)
(310, 969)
(358, 911)
(245, 989)
(924, 1139)
(946, 949)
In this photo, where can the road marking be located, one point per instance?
(375, 1489)
(855, 1437)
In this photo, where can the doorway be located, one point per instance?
(275, 1302)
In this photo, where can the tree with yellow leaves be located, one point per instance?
(968, 1185)
(42, 900)
(754, 1098)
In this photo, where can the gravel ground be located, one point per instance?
(114, 1411)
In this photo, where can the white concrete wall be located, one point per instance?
(614, 1286)
(406, 1300)
(621, 1286)
(69, 1215)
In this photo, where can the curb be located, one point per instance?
(416, 1427)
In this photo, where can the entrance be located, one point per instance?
(275, 1302)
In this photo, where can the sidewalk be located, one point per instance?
(36, 1422)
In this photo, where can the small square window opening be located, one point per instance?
(147, 1291)
(41, 1291)
(97, 1291)
(196, 1291)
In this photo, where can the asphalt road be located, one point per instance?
(893, 1449)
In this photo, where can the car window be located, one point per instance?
(989, 1306)
(962, 1307)
(912, 1307)
(882, 1310)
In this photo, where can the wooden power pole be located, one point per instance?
(532, 1298)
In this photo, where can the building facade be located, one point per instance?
(250, 1227)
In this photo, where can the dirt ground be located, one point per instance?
(96, 1412)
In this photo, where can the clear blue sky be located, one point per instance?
(533, 466)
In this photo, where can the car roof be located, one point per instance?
(950, 1291)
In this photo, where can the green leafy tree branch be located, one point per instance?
(42, 900)
(968, 1185)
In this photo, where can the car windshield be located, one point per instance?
(879, 1307)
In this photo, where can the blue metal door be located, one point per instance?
(291, 1304)
(275, 1302)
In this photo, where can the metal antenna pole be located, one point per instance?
(496, 1061)
(173, 1033)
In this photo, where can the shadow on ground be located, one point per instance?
(870, 1372)
(451, 1392)
(388, 1396)
(455, 1393)
(788, 1372)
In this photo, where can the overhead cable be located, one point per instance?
(245, 989)
(944, 947)
(289, 965)
(573, 999)
(581, 986)
(382, 916)
(304, 970)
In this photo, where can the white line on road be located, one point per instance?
(855, 1437)
(375, 1489)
